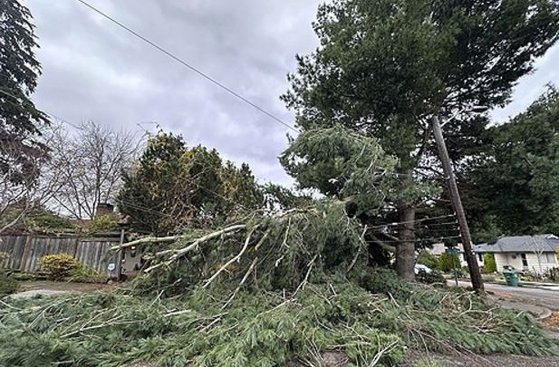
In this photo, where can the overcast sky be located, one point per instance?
(93, 70)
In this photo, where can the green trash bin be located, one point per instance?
(511, 277)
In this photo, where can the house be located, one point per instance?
(535, 254)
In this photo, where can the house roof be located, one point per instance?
(537, 243)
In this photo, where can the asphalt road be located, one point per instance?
(537, 296)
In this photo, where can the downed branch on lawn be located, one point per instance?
(225, 298)
(372, 322)
(268, 253)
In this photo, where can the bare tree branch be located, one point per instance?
(91, 161)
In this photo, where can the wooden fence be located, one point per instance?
(25, 250)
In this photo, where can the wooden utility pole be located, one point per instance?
(473, 267)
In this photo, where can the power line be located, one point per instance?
(45, 112)
(432, 239)
(411, 221)
(187, 65)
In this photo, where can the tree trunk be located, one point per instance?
(405, 250)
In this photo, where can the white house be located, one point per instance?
(535, 254)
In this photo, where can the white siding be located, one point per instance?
(502, 259)
(547, 261)
(544, 264)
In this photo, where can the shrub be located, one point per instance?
(59, 266)
(428, 259)
(433, 277)
(489, 264)
(553, 274)
(86, 274)
(8, 285)
(382, 280)
(448, 262)
(104, 223)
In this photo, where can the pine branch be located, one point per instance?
(236, 258)
(181, 252)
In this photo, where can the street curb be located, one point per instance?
(523, 285)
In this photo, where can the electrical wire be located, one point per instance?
(43, 111)
(188, 65)
(430, 239)
(410, 221)
(219, 195)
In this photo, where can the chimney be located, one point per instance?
(104, 209)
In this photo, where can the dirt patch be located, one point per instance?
(64, 286)
(552, 322)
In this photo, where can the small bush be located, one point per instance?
(386, 281)
(59, 266)
(86, 274)
(433, 277)
(428, 259)
(489, 264)
(8, 285)
(553, 274)
(104, 223)
(448, 262)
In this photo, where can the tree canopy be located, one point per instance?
(514, 187)
(173, 186)
(383, 68)
(341, 164)
(87, 162)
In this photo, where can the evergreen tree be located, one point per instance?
(489, 264)
(514, 188)
(20, 121)
(173, 186)
(385, 67)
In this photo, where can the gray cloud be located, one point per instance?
(93, 70)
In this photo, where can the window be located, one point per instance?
(480, 257)
(524, 260)
(550, 257)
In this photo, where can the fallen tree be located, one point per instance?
(265, 253)
(267, 292)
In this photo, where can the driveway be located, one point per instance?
(541, 297)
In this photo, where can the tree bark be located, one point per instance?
(405, 250)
